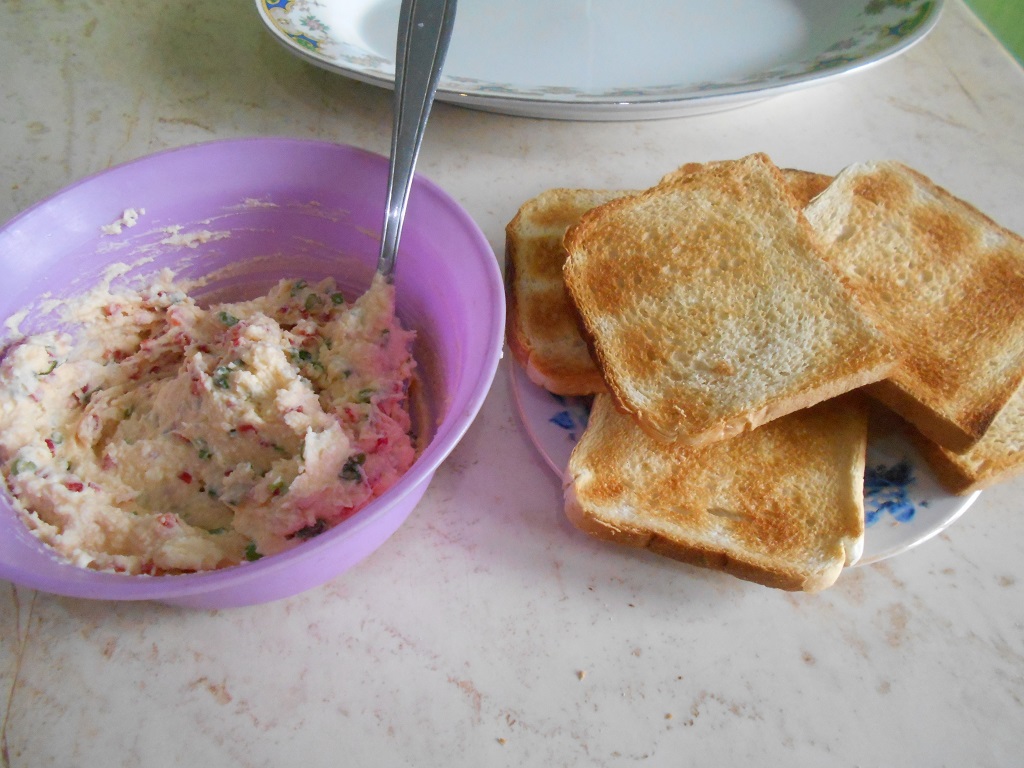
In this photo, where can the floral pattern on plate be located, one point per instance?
(826, 39)
(904, 504)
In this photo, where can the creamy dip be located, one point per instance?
(168, 438)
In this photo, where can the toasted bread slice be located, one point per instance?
(709, 308)
(998, 456)
(542, 330)
(944, 282)
(782, 506)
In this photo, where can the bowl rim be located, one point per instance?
(458, 418)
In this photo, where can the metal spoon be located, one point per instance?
(424, 30)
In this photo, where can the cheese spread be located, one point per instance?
(165, 437)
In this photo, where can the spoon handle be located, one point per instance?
(424, 30)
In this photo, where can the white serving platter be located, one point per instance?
(613, 59)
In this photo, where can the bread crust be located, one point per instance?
(804, 186)
(935, 426)
(997, 457)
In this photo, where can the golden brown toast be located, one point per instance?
(541, 328)
(709, 307)
(782, 506)
(998, 456)
(943, 281)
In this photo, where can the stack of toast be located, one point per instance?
(730, 320)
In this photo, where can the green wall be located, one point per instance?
(1006, 20)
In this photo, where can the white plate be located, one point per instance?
(904, 504)
(613, 59)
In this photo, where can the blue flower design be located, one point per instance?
(887, 491)
(563, 419)
(573, 416)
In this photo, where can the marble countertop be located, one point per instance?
(488, 631)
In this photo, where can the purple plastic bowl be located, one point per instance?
(264, 209)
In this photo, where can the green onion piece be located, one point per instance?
(351, 471)
(251, 554)
(227, 318)
(220, 377)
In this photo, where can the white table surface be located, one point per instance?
(488, 631)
